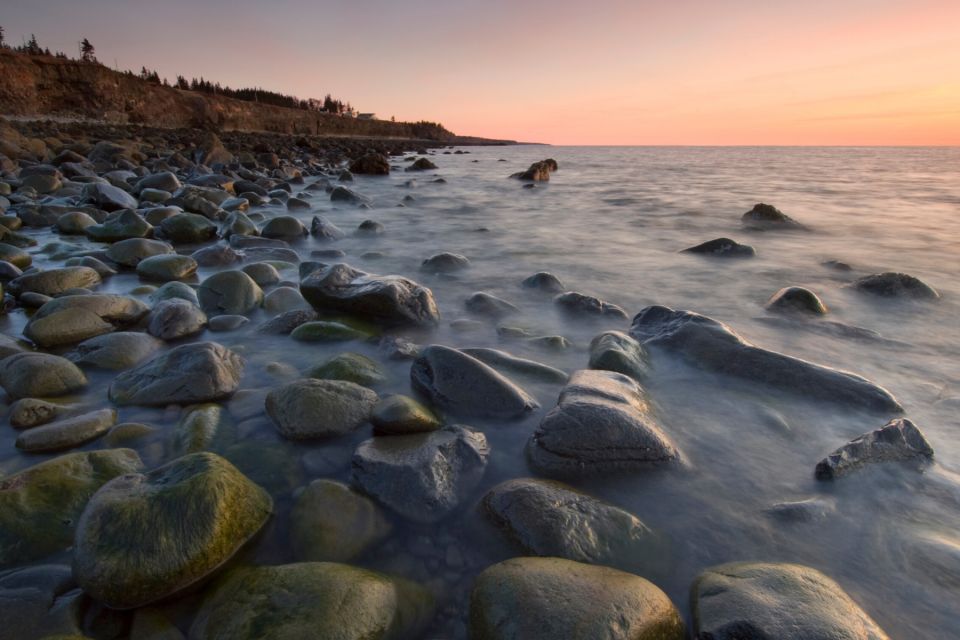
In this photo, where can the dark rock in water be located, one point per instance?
(39, 375)
(345, 176)
(297, 204)
(602, 424)
(109, 197)
(39, 506)
(552, 598)
(72, 319)
(286, 322)
(370, 228)
(796, 300)
(896, 285)
(229, 293)
(546, 518)
(342, 194)
(544, 281)
(445, 263)
(485, 304)
(712, 345)
(42, 601)
(323, 229)
(188, 228)
(31, 412)
(179, 290)
(373, 164)
(352, 367)
(400, 415)
(538, 171)
(808, 510)
(579, 304)
(226, 323)
(332, 522)
(263, 273)
(116, 351)
(423, 476)
(796, 322)
(837, 265)
(391, 300)
(164, 268)
(284, 228)
(616, 351)
(176, 318)
(217, 255)
(129, 253)
(55, 281)
(396, 348)
(520, 366)
(465, 386)
(310, 408)
(122, 226)
(188, 374)
(766, 217)
(723, 248)
(897, 441)
(327, 331)
(188, 516)
(67, 433)
(775, 600)
(421, 164)
(319, 600)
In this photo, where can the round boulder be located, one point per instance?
(309, 408)
(229, 292)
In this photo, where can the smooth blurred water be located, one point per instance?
(611, 223)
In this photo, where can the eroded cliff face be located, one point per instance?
(45, 86)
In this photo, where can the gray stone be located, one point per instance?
(67, 433)
(130, 252)
(72, 319)
(330, 521)
(897, 441)
(400, 415)
(311, 408)
(485, 304)
(723, 248)
(514, 365)
(582, 305)
(173, 319)
(229, 292)
(445, 263)
(164, 268)
(116, 351)
(39, 375)
(796, 300)
(766, 217)
(896, 285)
(323, 229)
(55, 281)
(41, 601)
(616, 351)
(108, 197)
(544, 281)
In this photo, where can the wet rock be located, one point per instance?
(342, 194)
(189, 516)
(217, 255)
(352, 367)
(15, 256)
(809, 510)
(445, 263)
(74, 223)
(163, 180)
(401, 415)
(31, 412)
(108, 197)
(130, 252)
(40, 602)
(39, 375)
(167, 267)
(287, 321)
(323, 229)
(312, 600)
(538, 171)
(39, 506)
(178, 290)
(602, 424)
(896, 285)
(548, 598)
(297, 204)
(229, 292)
(122, 226)
(55, 281)
(796, 300)
(310, 408)
(173, 319)
(116, 351)
(226, 323)
(514, 365)
(284, 228)
(897, 441)
(331, 522)
(370, 228)
(421, 164)
(199, 429)
(284, 299)
(766, 217)
(100, 267)
(580, 304)
(373, 164)
(67, 433)
(239, 224)
(73, 319)
(773, 600)
(485, 304)
(465, 386)
(188, 374)
(713, 346)
(263, 273)
(616, 351)
(422, 476)
(544, 281)
(723, 248)
(327, 331)
(391, 300)
(188, 228)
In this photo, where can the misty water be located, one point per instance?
(611, 223)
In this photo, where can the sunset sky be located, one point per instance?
(711, 72)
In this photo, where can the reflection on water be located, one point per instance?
(610, 224)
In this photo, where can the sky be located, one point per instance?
(604, 72)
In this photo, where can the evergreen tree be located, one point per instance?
(87, 52)
(3, 44)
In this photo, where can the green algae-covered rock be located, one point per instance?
(187, 518)
(39, 505)
(352, 367)
(316, 600)
(327, 331)
(39, 375)
(309, 408)
(400, 415)
(200, 428)
(332, 522)
(551, 598)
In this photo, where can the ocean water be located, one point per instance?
(611, 223)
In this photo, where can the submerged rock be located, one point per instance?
(897, 441)
(775, 600)
(445, 263)
(552, 598)
(422, 476)
(616, 351)
(485, 304)
(713, 346)
(544, 281)
(352, 367)
(331, 522)
(31, 412)
(520, 366)
(794, 300)
(312, 600)
(188, 374)
(579, 304)
(391, 300)
(723, 248)
(466, 386)
(310, 408)
(39, 375)
(601, 424)
(766, 217)
(896, 285)
(120, 350)
(188, 516)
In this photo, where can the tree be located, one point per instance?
(2, 43)
(33, 47)
(87, 52)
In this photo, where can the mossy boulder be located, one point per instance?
(201, 428)
(352, 367)
(39, 375)
(309, 408)
(332, 522)
(402, 415)
(319, 600)
(39, 506)
(327, 331)
(188, 517)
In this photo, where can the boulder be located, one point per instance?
(108, 197)
(445, 263)
(122, 226)
(284, 228)
(513, 365)
(331, 522)
(373, 164)
(188, 228)
(116, 351)
(796, 300)
(129, 253)
(263, 273)
(421, 164)
(41, 601)
(216, 255)
(723, 248)
(465, 386)
(538, 171)
(163, 180)
(67, 433)
(550, 598)
(485, 304)
(32, 412)
(73, 319)
(712, 345)
(15, 256)
(896, 285)
(766, 217)
(616, 351)
(897, 441)
(189, 517)
(582, 305)
(401, 415)
(39, 375)
(40, 505)
(166, 267)
(327, 331)
(544, 281)
(173, 319)
(54, 281)
(775, 600)
(342, 194)
(422, 476)
(188, 374)
(323, 229)
(74, 223)
(352, 367)
(602, 424)
(391, 300)
(309, 408)
(229, 292)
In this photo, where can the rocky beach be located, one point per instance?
(281, 385)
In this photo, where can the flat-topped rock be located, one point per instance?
(722, 248)
(896, 285)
